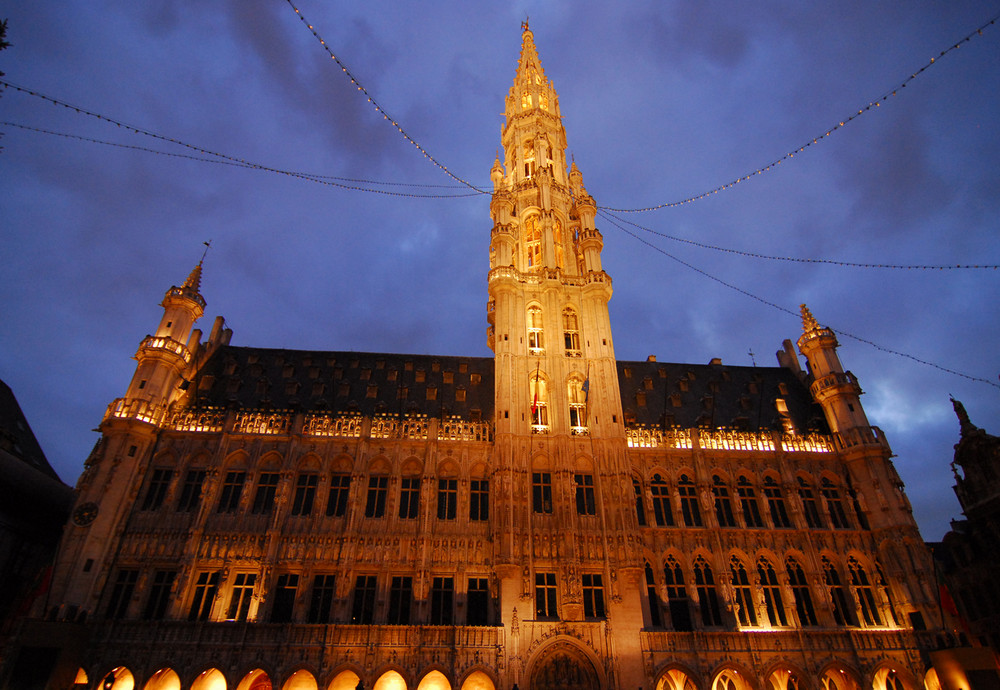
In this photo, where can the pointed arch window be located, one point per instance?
(571, 333)
(529, 151)
(834, 505)
(772, 593)
(661, 502)
(690, 510)
(708, 596)
(842, 612)
(677, 597)
(723, 503)
(536, 331)
(748, 502)
(809, 508)
(800, 590)
(863, 587)
(577, 406)
(640, 509)
(539, 405)
(525, 100)
(776, 503)
(747, 613)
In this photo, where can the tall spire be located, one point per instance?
(193, 281)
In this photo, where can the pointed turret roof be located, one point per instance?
(194, 278)
(530, 80)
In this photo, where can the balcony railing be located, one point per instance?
(726, 439)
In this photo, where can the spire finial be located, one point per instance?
(524, 24)
(963, 417)
(809, 322)
(194, 279)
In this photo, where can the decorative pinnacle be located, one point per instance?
(963, 417)
(809, 322)
(193, 281)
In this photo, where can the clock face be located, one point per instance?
(85, 514)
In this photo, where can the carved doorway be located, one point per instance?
(562, 667)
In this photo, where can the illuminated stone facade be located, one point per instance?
(549, 517)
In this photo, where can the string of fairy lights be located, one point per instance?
(868, 107)
(378, 108)
(769, 257)
(214, 156)
(355, 184)
(786, 310)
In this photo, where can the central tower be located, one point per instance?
(548, 307)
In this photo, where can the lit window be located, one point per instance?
(536, 332)
(571, 333)
(577, 394)
(539, 405)
(529, 157)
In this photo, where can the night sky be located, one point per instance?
(662, 101)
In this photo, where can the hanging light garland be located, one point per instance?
(216, 157)
(797, 314)
(872, 105)
(378, 108)
(832, 262)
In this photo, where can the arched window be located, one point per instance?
(661, 502)
(772, 593)
(748, 502)
(577, 406)
(747, 613)
(539, 404)
(892, 682)
(863, 587)
(809, 508)
(843, 613)
(708, 597)
(800, 590)
(723, 503)
(571, 333)
(776, 503)
(834, 504)
(529, 147)
(680, 612)
(689, 502)
(536, 332)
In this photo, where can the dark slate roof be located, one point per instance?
(715, 395)
(16, 437)
(364, 382)
(653, 393)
